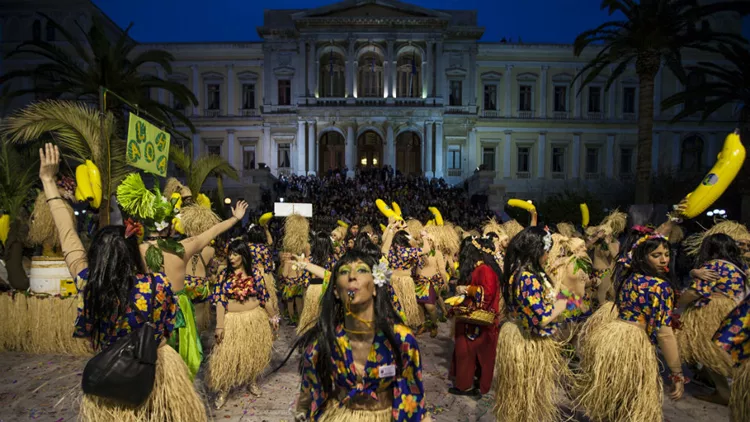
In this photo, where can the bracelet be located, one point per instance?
(53, 198)
(219, 328)
(573, 301)
(678, 377)
(275, 319)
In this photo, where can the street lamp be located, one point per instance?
(227, 201)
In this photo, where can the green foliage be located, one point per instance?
(171, 245)
(154, 258)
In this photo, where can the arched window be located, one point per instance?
(691, 153)
(36, 30)
(370, 82)
(332, 75)
(409, 79)
(695, 81)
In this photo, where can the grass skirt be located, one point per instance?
(620, 379)
(173, 399)
(272, 292)
(529, 375)
(698, 328)
(203, 316)
(606, 313)
(407, 296)
(311, 308)
(334, 413)
(13, 322)
(739, 401)
(244, 353)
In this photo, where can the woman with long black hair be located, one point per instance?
(527, 352)
(245, 318)
(476, 340)
(321, 254)
(361, 363)
(118, 296)
(632, 390)
(718, 285)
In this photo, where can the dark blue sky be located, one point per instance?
(535, 21)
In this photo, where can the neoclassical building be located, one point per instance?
(363, 83)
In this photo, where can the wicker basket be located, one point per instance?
(476, 317)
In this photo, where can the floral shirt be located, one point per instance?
(731, 282)
(403, 258)
(647, 301)
(162, 314)
(239, 288)
(408, 390)
(261, 257)
(734, 333)
(197, 289)
(534, 304)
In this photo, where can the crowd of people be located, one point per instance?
(525, 304)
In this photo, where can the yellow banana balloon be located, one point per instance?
(520, 203)
(342, 224)
(438, 217)
(177, 225)
(83, 182)
(584, 215)
(95, 178)
(4, 227)
(386, 210)
(265, 218)
(79, 195)
(178, 197)
(383, 228)
(396, 209)
(728, 164)
(430, 223)
(204, 202)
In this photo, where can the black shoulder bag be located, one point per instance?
(125, 371)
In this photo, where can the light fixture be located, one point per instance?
(83, 211)
(374, 161)
(529, 201)
(281, 199)
(76, 212)
(710, 213)
(227, 201)
(363, 161)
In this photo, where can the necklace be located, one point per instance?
(359, 332)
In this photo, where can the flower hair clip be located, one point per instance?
(641, 240)
(547, 239)
(381, 274)
(478, 246)
(133, 227)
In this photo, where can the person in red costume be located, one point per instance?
(475, 339)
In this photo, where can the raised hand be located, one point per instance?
(49, 162)
(239, 210)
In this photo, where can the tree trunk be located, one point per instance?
(17, 277)
(646, 76)
(104, 211)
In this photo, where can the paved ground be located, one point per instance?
(46, 387)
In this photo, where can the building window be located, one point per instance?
(285, 92)
(36, 30)
(628, 100)
(213, 150)
(50, 29)
(248, 96)
(213, 96)
(332, 75)
(558, 159)
(691, 154)
(592, 160)
(454, 157)
(695, 81)
(524, 98)
(561, 98)
(488, 158)
(248, 157)
(285, 153)
(626, 161)
(490, 97)
(595, 99)
(370, 83)
(456, 94)
(409, 76)
(524, 159)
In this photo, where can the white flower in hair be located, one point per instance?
(161, 226)
(547, 240)
(381, 274)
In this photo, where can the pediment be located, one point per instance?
(370, 9)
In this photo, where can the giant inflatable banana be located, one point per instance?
(728, 164)
(4, 227)
(265, 218)
(386, 210)
(83, 183)
(203, 201)
(96, 183)
(397, 209)
(520, 203)
(584, 215)
(89, 183)
(438, 217)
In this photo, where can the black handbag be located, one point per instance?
(126, 370)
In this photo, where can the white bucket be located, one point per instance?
(47, 274)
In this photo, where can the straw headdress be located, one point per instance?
(296, 234)
(173, 186)
(196, 219)
(612, 225)
(414, 228)
(512, 228)
(566, 229)
(492, 226)
(730, 228)
(446, 239)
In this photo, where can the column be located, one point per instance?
(230, 91)
(299, 165)
(350, 69)
(576, 165)
(351, 151)
(160, 93)
(312, 59)
(507, 153)
(472, 162)
(508, 90)
(390, 73)
(440, 72)
(267, 147)
(657, 93)
(543, 92)
(427, 72)
(267, 74)
(676, 150)
(577, 102)
(654, 154)
(428, 150)
(311, 144)
(712, 151)
(541, 152)
(316, 85)
(423, 72)
(196, 146)
(231, 148)
(472, 75)
(439, 155)
(390, 144)
(610, 157)
(196, 88)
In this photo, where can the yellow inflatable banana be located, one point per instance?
(342, 224)
(728, 164)
(520, 203)
(79, 195)
(204, 202)
(265, 218)
(95, 178)
(584, 215)
(438, 217)
(4, 227)
(455, 300)
(430, 223)
(396, 209)
(383, 228)
(83, 182)
(177, 224)
(386, 210)
(178, 203)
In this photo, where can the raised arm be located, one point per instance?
(195, 244)
(73, 250)
(269, 238)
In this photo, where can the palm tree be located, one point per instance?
(82, 133)
(98, 61)
(652, 32)
(726, 83)
(198, 170)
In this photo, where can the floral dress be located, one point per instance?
(162, 314)
(534, 304)
(400, 258)
(239, 288)
(647, 301)
(731, 282)
(407, 387)
(734, 333)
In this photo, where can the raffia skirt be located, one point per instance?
(334, 413)
(406, 292)
(173, 399)
(695, 336)
(739, 400)
(270, 283)
(244, 352)
(619, 379)
(311, 308)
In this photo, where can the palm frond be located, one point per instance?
(207, 165)
(17, 179)
(180, 158)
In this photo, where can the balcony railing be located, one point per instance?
(330, 101)
(409, 101)
(523, 175)
(454, 172)
(369, 101)
(561, 115)
(525, 114)
(594, 115)
(628, 116)
(282, 109)
(592, 176)
(248, 112)
(558, 175)
(457, 110)
(212, 112)
(491, 113)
